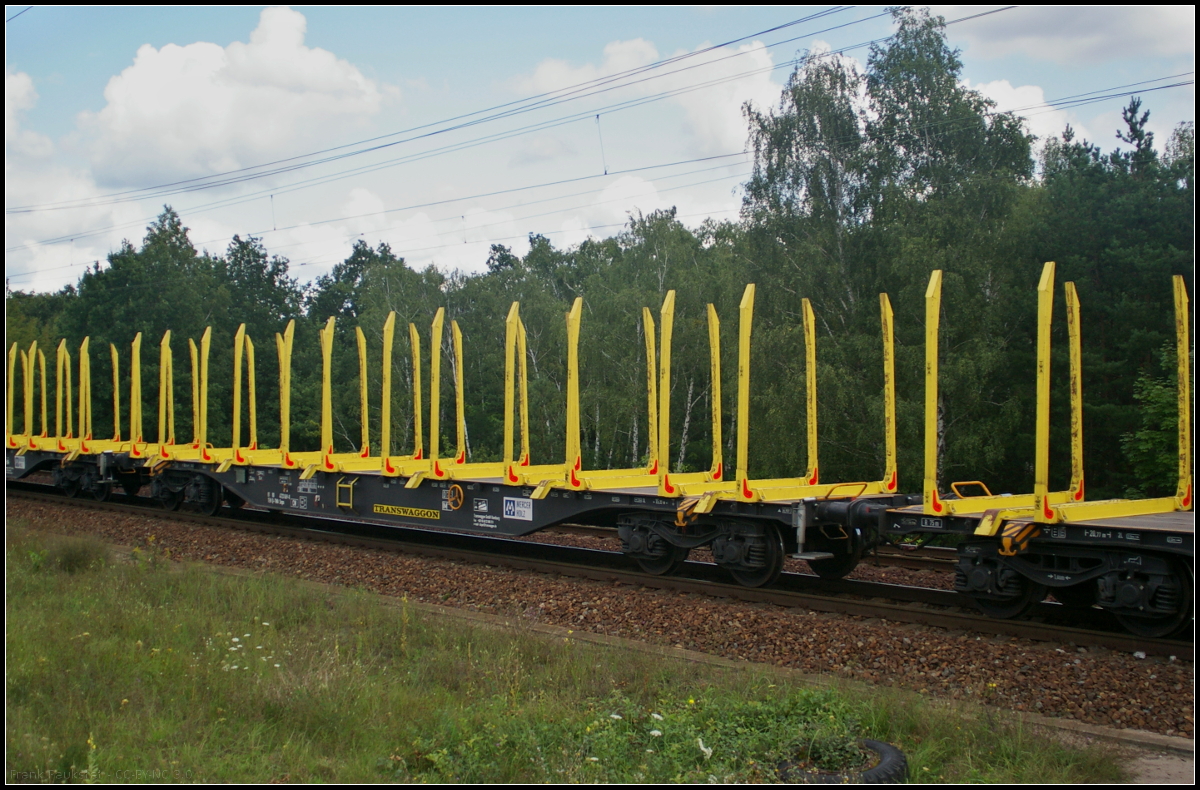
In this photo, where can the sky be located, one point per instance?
(443, 131)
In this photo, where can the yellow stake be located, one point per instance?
(890, 481)
(283, 350)
(1073, 344)
(27, 392)
(252, 397)
(510, 353)
(29, 387)
(62, 377)
(524, 371)
(933, 312)
(1183, 346)
(135, 389)
(327, 387)
(166, 393)
(12, 382)
(195, 355)
(112, 350)
(574, 456)
(85, 390)
(42, 366)
(239, 345)
(717, 472)
(746, 315)
(205, 346)
(1041, 458)
(652, 390)
(385, 406)
(435, 384)
(414, 340)
(460, 452)
(666, 331)
(364, 448)
(810, 375)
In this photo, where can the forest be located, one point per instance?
(864, 181)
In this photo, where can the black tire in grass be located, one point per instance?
(891, 768)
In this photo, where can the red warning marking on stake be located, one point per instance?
(670, 489)
(746, 492)
(892, 482)
(937, 503)
(719, 474)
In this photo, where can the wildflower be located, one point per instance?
(246, 635)
(258, 648)
(594, 759)
(266, 624)
(277, 665)
(656, 717)
(232, 649)
(649, 751)
(707, 751)
(616, 716)
(235, 666)
(691, 701)
(235, 639)
(1139, 654)
(656, 733)
(124, 702)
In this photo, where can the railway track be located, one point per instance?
(889, 602)
(918, 558)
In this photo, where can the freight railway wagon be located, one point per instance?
(1132, 557)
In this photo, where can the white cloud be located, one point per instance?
(1071, 34)
(192, 110)
(19, 96)
(553, 74)
(713, 121)
(1028, 102)
(714, 113)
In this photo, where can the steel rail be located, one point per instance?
(854, 598)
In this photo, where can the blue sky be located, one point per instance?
(101, 100)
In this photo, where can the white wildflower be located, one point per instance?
(232, 649)
(656, 717)
(1139, 654)
(616, 716)
(656, 733)
(266, 623)
(276, 665)
(594, 759)
(235, 639)
(707, 751)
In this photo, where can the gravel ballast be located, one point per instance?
(1092, 685)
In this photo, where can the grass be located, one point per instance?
(134, 671)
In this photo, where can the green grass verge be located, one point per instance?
(134, 671)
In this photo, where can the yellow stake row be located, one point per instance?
(707, 487)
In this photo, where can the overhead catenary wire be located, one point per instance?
(508, 107)
(1075, 100)
(627, 104)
